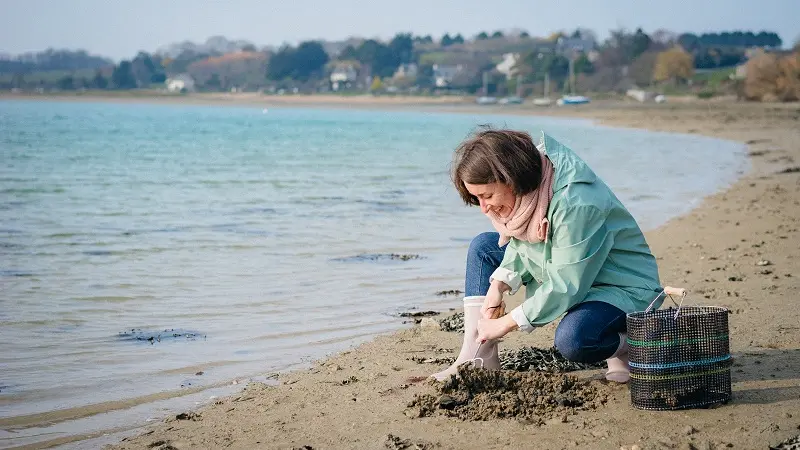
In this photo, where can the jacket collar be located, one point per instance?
(569, 167)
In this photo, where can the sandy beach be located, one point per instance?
(738, 249)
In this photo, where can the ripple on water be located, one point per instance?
(378, 257)
(158, 336)
(15, 273)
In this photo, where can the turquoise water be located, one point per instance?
(244, 231)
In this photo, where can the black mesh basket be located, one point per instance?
(679, 357)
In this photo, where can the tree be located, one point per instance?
(66, 83)
(482, 36)
(689, 42)
(376, 84)
(458, 39)
(771, 78)
(663, 38)
(301, 63)
(235, 69)
(311, 57)
(213, 83)
(582, 64)
(51, 59)
(641, 69)
(402, 46)
(497, 34)
(379, 57)
(145, 69)
(640, 43)
(446, 40)
(534, 65)
(675, 64)
(714, 57)
(99, 81)
(122, 77)
(349, 53)
(524, 35)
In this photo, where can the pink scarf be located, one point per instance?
(528, 221)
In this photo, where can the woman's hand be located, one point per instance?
(493, 300)
(495, 328)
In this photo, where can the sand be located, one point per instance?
(738, 249)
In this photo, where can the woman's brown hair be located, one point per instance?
(504, 156)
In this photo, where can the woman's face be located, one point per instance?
(496, 197)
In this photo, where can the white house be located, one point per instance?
(342, 76)
(180, 83)
(406, 71)
(443, 74)
(567, 45)
(508, 64)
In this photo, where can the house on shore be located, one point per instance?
(343, 76)
(180, 83)
(443, 74)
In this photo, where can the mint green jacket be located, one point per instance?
(595, 250)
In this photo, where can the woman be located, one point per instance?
(562, 234)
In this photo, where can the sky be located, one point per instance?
(120, 28)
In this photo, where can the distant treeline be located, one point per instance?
(569, 61)
(53, 60)
(692, 42)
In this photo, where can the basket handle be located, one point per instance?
(669, 291)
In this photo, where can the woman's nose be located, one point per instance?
(484, 207)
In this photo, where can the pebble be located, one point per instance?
(688, 430)
(703, 445)
(666, 442)
(428, 322)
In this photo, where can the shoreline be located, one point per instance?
(684, 233)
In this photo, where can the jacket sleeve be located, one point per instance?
(581, 244)
(512, 271)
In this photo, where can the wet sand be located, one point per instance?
(738, 249)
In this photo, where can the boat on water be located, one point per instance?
(486, 100)
(544, 101)
(512, 100)
(573, 100)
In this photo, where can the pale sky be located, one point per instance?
(120, 28)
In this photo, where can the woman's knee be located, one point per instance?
(570, 343)
(482, 243)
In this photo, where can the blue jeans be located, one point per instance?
(588, 333)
